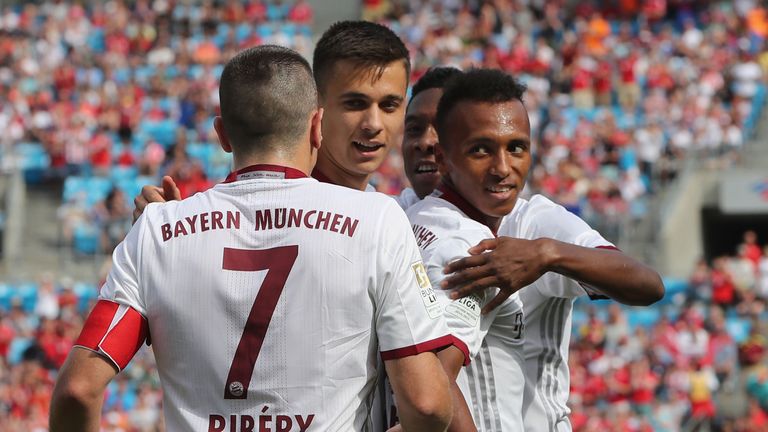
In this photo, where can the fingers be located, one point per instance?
(170, 191)
(487, 244)
(466, 276)
(148, 194)
(464, 263)
(474, 287)
(496, 301)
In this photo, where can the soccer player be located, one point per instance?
(362, 71)
(484, 155)
(420, 136)
(269, 297)
(552, 257)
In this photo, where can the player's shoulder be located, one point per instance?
(407, 198)
(445, 222)
(537, 217)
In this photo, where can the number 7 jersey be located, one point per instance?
(267, 301)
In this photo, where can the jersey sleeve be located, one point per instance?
(462, 316)
(117, 325)
(557, 223)
(408, 316)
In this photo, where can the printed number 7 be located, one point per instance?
(278, 263)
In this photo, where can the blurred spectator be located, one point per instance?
(113, 216)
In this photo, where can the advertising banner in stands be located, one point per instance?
(744, 192)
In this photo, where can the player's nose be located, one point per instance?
(501, 164)
(372, 123)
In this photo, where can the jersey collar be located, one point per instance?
(448, 193)
(264, 171)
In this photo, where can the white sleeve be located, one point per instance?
(408, 316)
(557, 223)
(117, 325)
(122, 285)
(462, 316)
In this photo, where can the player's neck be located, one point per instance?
(326, 171)
(242, 163)
(451, 194)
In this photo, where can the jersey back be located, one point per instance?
(270, 300)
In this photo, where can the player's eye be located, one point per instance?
(479, 150)
(355, 104)
(390, 106)
(517, 147)
(414, 130)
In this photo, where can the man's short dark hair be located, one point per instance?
(477, 85)
(367, 44)
(267, 94)
(436, 77)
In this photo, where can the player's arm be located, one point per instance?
(79, 391)
(150, 193)
(422, 391)
(452, 359)
(511, 264)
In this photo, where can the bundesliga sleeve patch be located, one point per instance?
(425, 288)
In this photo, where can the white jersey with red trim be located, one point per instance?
(548, 304)
(493, 383)
(268, 301)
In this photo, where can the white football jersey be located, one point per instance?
(548, 304)
(406, 198)
(268, 300)
(446, 226)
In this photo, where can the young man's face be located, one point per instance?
(419, 142)
(487, 156)
(363, 115)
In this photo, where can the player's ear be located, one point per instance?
(316, 129)
(218, 125)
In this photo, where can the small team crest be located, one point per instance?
(425, 288)
(236, 388)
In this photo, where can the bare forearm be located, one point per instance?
(452, 360)
(462, 418)
(70, 413)
(613, 273)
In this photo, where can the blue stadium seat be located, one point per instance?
(163, 131)
(86, 239)
(121, 173)
(6, 295)
(27, 293)
(17, 348)
(85, 293)
(738, 328)
(34, 161)
(643, 316)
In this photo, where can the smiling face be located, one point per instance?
(363, 119)
(486, 154)
(419, 142)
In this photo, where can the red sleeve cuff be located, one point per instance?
(611, 247)
(431, 345)
(458, 343)
(114, 330)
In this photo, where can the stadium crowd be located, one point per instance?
(119, 93)
(619, 95)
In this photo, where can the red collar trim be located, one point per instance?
(264, 171)
(449, 194)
